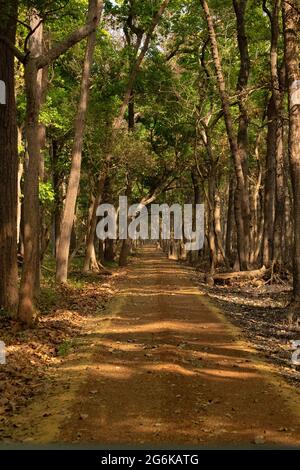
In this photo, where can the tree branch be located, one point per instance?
(72, 39)
(31, 32)
(138, 62)
(18, 54)
(266, 10)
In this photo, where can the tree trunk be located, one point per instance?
(273, 193)
(90, 256)
(109, 253)
(240, 275)
(20, 174)
(31, 198)
(255, 197)
(269, 184)
(242, 136)
(278, 85)
(230, 219)
(211, 228)
(8, 164)
(57, 195)
(291, 40)
(279, 203)
(288, 228)
(126, 244)
(240, 201)
(125, 251)
(31, 265)
(217, 225)
(74, 179)
(36, 45)
(197, 188)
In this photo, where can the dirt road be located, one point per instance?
(166, 368)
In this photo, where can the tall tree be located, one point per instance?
(138, 62)
(62, 255)
(291, 19)
(8, 163)
(33, 62)
(240, 194)
(274, 195)
(242, 135)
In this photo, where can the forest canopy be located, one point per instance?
(175, 101)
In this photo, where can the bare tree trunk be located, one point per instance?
(90, 256)
(217, 225)
(278, 85)
(37, 49)
(292, 50)
(288, 228)
(57, 195)
(274, 143)
(109, 253)
(279, 203)
(210, 198)
(90, 261)
(31, 200)
(125, 247)
(256, 213)
(125, 250)
(31, 265)
(240, 201)
(269, 185)
(242, 136)
(197, 187)
(100, 251)
(74, 179)
(230, 219)
(211, 228)
(8, 164)
(20, 174)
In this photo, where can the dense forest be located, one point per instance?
(162, 101)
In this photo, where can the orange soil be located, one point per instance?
(163, 367)
(168, 369)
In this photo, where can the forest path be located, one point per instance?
(164, 367)
(169, 369)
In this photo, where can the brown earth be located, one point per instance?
(162, 367)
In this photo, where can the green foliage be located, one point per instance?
(46, 193)
(175, 97)
(66, 348)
